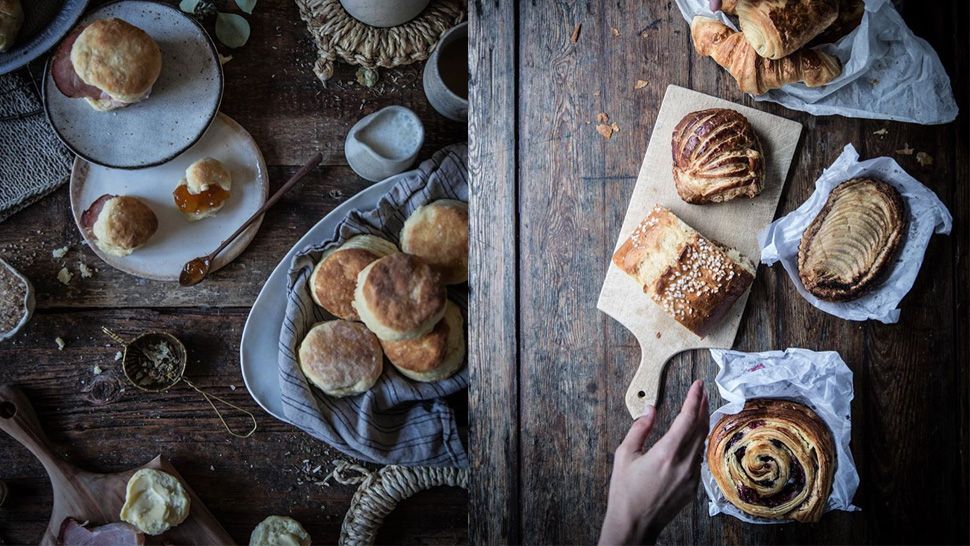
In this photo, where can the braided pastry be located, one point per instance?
(755, 74)
(775, 459)
(717, 157)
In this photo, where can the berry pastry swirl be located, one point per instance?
(775, 459)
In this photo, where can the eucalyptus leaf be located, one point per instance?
(188, 6)
(246, 5)
(232, 30)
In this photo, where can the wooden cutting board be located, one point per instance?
(735, 223)
(98, 498)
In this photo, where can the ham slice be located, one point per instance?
(62, 70)
(90, 216)
(113, 534)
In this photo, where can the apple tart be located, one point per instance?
(853, 240)
(775, 459)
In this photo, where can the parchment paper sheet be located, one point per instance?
(927, 215)
(820, 380)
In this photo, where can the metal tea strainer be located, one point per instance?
(155, 362)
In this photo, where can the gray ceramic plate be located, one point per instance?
(182, 105)
(45, 23)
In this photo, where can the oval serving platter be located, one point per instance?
(259, 347)
(178, 240)
(45, 23)
(182, 105)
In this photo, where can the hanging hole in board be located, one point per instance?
(641, 394)
(7, 410)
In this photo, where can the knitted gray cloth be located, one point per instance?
(33, 162)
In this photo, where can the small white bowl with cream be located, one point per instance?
(384, 143)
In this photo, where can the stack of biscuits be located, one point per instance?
(390, 302)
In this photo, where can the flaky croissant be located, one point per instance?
(755, 74)
(778, 28)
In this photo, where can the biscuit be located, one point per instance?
(341, 358)
(279, 531)
(434, 356)
(122, 225)
(438, 234)
(399, 297)
(118, 58)
(155, 501)
(334, 278)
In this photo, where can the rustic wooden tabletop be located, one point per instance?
(549, 371)
(272, 92)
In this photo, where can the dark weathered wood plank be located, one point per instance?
(493, 299)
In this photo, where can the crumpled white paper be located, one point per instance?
(887, 72)
(820, 380)
(926, 215)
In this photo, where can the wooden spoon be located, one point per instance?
(195, 271)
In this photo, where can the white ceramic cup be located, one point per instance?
(384, 13)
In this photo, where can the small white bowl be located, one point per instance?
(28, 302)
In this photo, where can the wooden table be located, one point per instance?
(549, 371)
(272, 92)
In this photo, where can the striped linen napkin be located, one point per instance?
(398, 421)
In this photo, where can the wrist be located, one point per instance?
(625, 528)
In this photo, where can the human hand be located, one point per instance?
(648, 487)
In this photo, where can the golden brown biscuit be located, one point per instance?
(119, 224)
(119, 58)
(435, 355)
(334, 278)
(341, 358)
(204, 190)
(399, 297)
(205, 173)
(438, 233)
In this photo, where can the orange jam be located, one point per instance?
(199, 202)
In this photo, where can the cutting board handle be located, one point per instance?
(644, 389)
(18, 419)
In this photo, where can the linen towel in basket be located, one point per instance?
(398, 421)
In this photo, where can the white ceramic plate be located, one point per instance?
(178, 240)
(183, 103)
(259, 348)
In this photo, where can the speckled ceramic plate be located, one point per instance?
(183, 103)
(45, 23)
(178, 240)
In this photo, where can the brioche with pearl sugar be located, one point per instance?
(693, 279)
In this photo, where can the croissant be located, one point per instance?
(755, 74)
(775, 459)
(778, 28)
